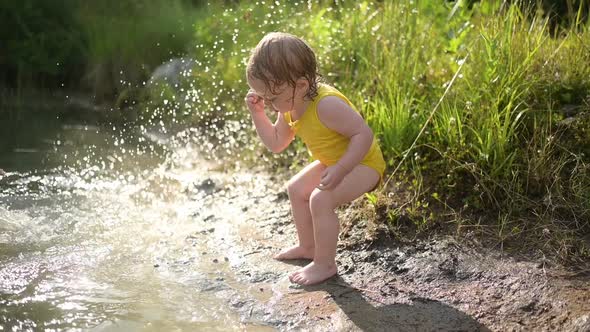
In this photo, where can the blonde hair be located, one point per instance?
(283, 58)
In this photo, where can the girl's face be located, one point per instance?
(284, 99)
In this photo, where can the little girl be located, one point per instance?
(282, 75)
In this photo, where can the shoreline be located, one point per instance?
(437, 282)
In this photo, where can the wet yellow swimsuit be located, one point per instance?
(325, 144)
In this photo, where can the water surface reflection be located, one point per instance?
(94, 234)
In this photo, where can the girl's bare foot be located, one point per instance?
(313, 274)
(295, 252)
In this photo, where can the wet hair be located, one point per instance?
(283, 58)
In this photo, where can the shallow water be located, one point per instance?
(95, 233)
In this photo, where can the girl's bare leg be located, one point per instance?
(326, 226)
(300, 188)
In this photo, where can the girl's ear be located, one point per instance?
(302, 86)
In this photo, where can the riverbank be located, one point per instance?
(439, 282)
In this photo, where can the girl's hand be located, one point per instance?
(332, 177)
(254, 102)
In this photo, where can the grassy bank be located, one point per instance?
(505, 149)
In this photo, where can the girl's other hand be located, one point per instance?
(254, 102)
(332, 177)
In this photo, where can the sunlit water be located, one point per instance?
(95, 233)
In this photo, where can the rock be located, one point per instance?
(449, 266)
(281, 196)
(172, 71)
(529, 307)
(208, 186)
(581, 323)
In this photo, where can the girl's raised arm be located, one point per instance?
(275, 137)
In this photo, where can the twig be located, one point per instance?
(407, 152)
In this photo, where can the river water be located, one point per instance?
(95, 234)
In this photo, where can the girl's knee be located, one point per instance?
(295, 189)
(321, 200)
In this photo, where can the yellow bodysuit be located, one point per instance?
(325, 144)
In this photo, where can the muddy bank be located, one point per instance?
(442, 283)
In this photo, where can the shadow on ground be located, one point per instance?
(411, 314)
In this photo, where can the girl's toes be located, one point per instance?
(297, 278)
(293, 275)
(301, 280)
